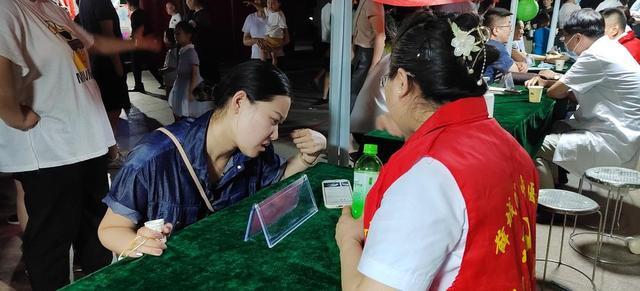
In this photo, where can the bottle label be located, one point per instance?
(362, 183)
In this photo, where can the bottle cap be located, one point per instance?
(371, 149)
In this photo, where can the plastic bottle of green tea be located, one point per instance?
(365, 174)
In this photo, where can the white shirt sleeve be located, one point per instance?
(11, 37)
(635, 8)
(585, 73)
(282, 20)
(421, 221)
(246, 27)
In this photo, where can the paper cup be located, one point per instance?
(489, 99)
(155, 225)
(559, 65)
(535, 93)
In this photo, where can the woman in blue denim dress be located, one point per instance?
(229, 149)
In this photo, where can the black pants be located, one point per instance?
(359, 68)
(64, 207)
(208, 64)
(142, 61)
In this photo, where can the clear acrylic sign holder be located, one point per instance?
(282, 213)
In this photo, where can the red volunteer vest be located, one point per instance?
(499, 184)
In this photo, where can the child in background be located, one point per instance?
(541, 34)
(168, 70)
(276, 25)
(181, 98)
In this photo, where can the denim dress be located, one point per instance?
(155, 183)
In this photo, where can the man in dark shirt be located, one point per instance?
(141, 60)
(99, 17)
(203, 41)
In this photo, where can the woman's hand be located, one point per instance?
(348, 229)
(154, 242)
(536, 81)
(310, 143)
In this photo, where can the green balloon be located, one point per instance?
(527, 10)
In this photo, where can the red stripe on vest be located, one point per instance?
(499, 185)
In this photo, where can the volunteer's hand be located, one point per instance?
(155, 241)
(348, 229)
(310, 143)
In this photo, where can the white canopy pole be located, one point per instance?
(554, 24)
(340, 90)
(514, 19)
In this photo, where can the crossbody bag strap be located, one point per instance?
(189, 167)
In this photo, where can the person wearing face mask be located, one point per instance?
(444, 204)
(229, 149)
(615, 27)
(604, 82)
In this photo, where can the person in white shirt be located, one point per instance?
(276, 28)
(426, 224)
(604, 81)
(55, 133)
(634, 10)
(568, 7)
(173, 12)
(518, 50)
(254, 30)
(608, 4)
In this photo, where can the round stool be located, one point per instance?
(618, 181)
(567, 203)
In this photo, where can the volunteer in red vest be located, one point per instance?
(455, 207)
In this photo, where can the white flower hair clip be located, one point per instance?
(465, 43)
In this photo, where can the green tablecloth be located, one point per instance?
(212, 255)
(527, 122)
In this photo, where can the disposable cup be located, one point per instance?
(559, 65)
(155, 225)
(535, 93)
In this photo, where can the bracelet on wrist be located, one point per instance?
(307, 163)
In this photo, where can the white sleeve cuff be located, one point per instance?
(392, 278)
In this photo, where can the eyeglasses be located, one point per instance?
(385, 78)
(564, 37)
